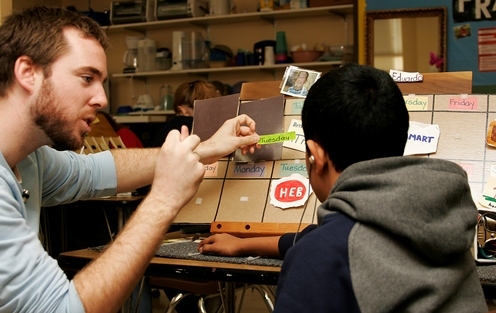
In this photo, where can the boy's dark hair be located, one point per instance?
(37, 32)
(356, 113)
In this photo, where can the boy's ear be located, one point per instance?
(25, 73)
(319, 155)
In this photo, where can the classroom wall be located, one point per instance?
(462, 53)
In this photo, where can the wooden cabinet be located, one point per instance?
(330, 25)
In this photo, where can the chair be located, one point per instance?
(102, 137)
(206, 290)
(203, 289)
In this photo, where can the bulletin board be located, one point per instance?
(468, 22)
(240, 191)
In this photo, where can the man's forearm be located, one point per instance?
(264, 246)
(109, 280)
(134, 167)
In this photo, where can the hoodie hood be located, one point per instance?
(427, 202)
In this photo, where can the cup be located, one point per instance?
(241, 57)
(281, 47)
(147, 52)
(269, 55)
(166, 98)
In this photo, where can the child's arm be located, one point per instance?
(229, 245)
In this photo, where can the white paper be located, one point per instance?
(299, 142)
(291, 191)
(422, 138)
(406, 77)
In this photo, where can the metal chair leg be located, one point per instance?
(174, 301)
(265, 297)
(201, 305)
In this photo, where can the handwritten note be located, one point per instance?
(416, 103)
(299, 142)
(422, 138)
(293, 168)
(249, 169)
(406, 77)
(463, 103)
(275, 138)
(211, 169)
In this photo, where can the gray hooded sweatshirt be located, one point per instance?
(394, 235)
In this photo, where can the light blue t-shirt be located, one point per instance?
(31, 280)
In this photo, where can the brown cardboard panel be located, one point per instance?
(421, 117)
(203, 207)
(268, 115)
(243, 200)
(260, 90)
(288, 154)
(285, 168)
(250, 170)
(440, 83)
(210, 114)
(292, 215)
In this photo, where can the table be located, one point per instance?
(230, 273)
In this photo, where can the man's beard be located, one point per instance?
(49, 116)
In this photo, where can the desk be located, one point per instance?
(230, 273)
(73, 261)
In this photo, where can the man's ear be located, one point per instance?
(319, 155)
(25, 73)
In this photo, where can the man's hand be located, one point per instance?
(178, 172)
(238, 132)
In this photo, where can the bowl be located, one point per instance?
(306, 56)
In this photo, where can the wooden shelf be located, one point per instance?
(234, 18)
(209, 70)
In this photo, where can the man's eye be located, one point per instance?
(87, 79)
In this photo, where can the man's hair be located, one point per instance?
(356, 113)
(37, 32)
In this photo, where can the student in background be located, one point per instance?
(184, 97)
(128, 137)
(394, 233)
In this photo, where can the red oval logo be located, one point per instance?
(289, 191)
